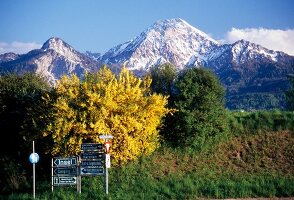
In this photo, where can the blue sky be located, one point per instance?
(97, 25)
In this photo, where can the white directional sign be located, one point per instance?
(65, 161)
(105, 137)
(65, 180)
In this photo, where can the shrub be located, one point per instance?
(201, 118)
(105, 104)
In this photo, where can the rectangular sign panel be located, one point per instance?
(107, 160)
(94, 170)
(92, 156)
(105, 137)
(91, 147)
(65, 161)
(70, 171)
(85, 163)
(65, 180)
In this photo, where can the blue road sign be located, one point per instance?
(65, 171)
(34, 158)
(91, 147)
(93, 170)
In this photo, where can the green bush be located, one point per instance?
(201, 118)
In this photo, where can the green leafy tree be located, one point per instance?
(163, 77)
(290, 93)
(18, 95)
(201, 116)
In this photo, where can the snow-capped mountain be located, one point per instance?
(254, 77)
(177, 42)
(250, 72)
(241, 52)
(173, 41)
(244, 68)
(53, 60)
(244, 60)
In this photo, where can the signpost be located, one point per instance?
(94, 160)
(91, 163)
(92, 157)
(34, 158)
(107, 157)
(64, 171)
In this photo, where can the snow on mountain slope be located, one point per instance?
(62, 48)
(244, 68)
(241, 53)
(173, 41)
(54, 59)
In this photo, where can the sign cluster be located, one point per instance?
(64, 171)
(93, 160)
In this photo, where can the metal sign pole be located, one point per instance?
(106, 176)
(106, 137)
(34, 158)
(34, 184)
(106, 181)
(79, 180)
(80, 184)
(52, 186)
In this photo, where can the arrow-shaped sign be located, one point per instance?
(91, 147)
(65, 161)
(92, 155)
(65, 171)
(65, 180)
(97, 170)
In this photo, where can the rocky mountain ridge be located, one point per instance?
(244, 68)
(53, 60)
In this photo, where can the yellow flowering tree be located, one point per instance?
(106, 104)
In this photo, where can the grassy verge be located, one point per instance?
(258, 165)
(257, 161)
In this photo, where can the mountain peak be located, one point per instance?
(179, 25)
(59, 46)
(243, 50)
(54, 43)
(169, 40)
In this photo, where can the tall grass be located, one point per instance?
(254, 122)
(190, 186)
